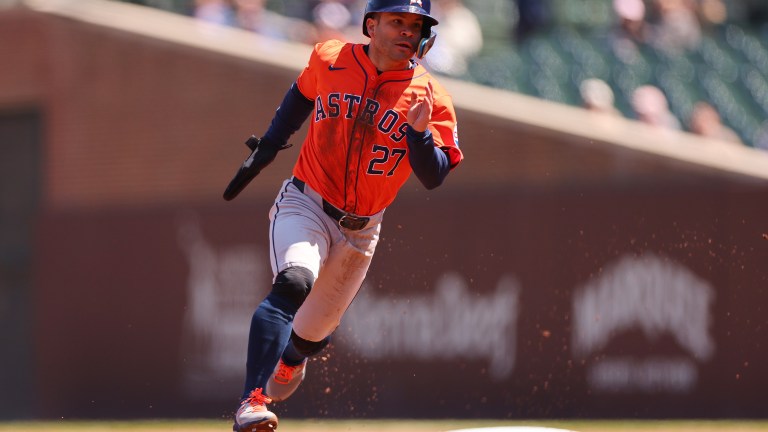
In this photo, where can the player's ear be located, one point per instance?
(370, 24)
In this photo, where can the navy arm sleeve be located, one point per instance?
(290, 115)
(429, 163)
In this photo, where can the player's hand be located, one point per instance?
(420, 111)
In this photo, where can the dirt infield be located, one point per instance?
(389, 426)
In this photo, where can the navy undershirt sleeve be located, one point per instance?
(290, 115)
(429, 163)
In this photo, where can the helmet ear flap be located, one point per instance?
(425, 44)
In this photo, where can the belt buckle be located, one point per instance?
(354, 223)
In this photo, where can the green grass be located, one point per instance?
(289, 425)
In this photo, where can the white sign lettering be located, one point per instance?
(453, 323)
(223, 289)
(657, 296)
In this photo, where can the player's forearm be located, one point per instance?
(290, 115)
(429, 163)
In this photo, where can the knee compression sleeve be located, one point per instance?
(293, 285)
(307, 348)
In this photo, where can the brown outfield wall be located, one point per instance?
(595, 302)
(553, 275)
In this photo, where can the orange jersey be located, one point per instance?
(355, 154)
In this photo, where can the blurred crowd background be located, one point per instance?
(699, 66)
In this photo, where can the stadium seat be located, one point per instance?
(729, 69)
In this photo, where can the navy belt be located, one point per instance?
(344, 219)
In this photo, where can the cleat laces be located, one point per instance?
(285, 373)
(257, 399)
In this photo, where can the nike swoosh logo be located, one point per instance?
(334, 68)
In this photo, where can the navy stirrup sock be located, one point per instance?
(270, 333)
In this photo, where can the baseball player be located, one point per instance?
(375, 115)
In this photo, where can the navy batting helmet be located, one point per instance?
(420, 7)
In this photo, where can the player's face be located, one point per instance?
(394, 37)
